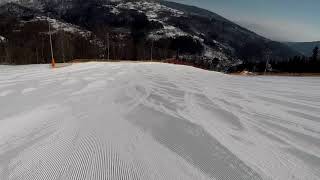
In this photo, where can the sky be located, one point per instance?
(280, 20)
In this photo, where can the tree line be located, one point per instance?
(28, 43)
(296, 64)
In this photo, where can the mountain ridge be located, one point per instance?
(304, 48)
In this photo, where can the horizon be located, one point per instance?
(289, 21)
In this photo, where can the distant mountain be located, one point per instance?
(304, 48)
(133, 27)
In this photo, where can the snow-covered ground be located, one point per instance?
(156, 121)
(2, 39)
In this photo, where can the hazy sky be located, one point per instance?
(281, 20)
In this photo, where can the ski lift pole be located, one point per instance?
(267, 64)
(268, 53)
(151, 53)
(108, 45)
(63, 32)
(53, 63)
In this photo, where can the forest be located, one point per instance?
(109, 37)
(296, 64)
(28, 43)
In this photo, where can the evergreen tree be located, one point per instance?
(315, 53)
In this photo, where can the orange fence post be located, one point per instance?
(53, 63)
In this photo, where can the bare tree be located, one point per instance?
(151, 53)
(108, 46)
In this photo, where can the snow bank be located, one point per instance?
(156, 121)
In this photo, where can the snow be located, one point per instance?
(167, 31)
(2, 39)
(28, 3)
(115, 11)
(152, 9)
(210, 53)
(156, 121)
(59, 25)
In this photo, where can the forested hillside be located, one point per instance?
(129, 30)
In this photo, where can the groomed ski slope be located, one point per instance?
(156, 121)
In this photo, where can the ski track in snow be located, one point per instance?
(156, 121)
